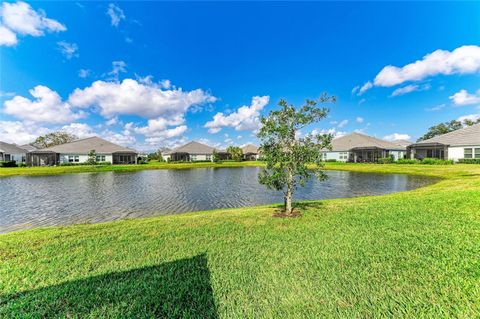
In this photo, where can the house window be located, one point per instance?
(209, 157)
(343, 155)
(193, 157)
(100, 158)
(70, 158)
(477, 153)
(468, 153)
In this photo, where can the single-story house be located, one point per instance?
(459, 144)
(357, 147)
(250, 152)
(193, 151)
(12, 152)
(78, 152)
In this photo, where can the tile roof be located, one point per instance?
(469, 135)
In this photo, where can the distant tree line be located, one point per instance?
(446, 127)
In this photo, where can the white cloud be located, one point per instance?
(7, 37)
(245, 118)
(118, 138)
(47, 107)
(332, 131)
(435, 108)
(464, 98)
(132, 97)
(20, 18)
(116, 14)
(81, 130)
(359, 119)
(20, 133)
(362, 101)
(367, 86)
(462, 60)
(471, 117)
(342, 123)
(396, 137)
(69, 50)
(355, 89)
(410, 88)
(121, 67)
(83, 73)
(161, 129)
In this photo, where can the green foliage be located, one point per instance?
(385, 160)
(54, 138)
(331, 160)
(469, 161)
(235, 152)
(85, 164)
(436, 161)
(407, 161)
(215, 157)
(286, 155)
(92, 157)
(8, 164)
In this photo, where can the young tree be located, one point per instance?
(92, 157)
(235, 152)
(287, 155)
(215, 156)
(54, 138)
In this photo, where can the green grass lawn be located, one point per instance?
(414, 254)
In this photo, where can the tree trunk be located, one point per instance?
(288, 195)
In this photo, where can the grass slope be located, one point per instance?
(414, 254)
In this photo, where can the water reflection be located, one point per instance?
(97, 197)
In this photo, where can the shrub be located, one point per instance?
(85, 163)
(469, 161)
(385, 160)
(331, 160)
(436, 161)
(8, 164)
(408, 161)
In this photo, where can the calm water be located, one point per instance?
(34, 201)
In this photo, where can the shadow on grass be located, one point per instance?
(179, 289)
(308, 205)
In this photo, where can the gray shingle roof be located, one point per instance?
(357, 140)
(84, 146)
(250, 148)
(11, 148)
(469, 135)
(29, 147)
(403, 143)
(194, 148)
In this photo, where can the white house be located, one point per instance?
(78, 152)
(357, 147)
(460, 144)
(193, 151)
(250, 152)
(12, 152)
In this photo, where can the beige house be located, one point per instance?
(250, 152)
(357, 147)
(193, 151)
(78, 152)
(460, 144)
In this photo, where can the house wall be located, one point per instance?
(18, 158)
(338, 156)
(82, 158)
(398, 154)
(456, 153)
(166, 157)
(201, 157)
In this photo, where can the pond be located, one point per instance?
(33, 201)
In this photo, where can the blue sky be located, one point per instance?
(153, 74)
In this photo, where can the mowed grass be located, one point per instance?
(413, 255)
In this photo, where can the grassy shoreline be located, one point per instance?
(410, 254)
